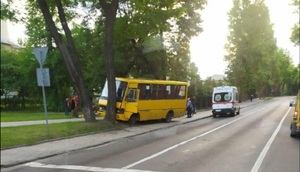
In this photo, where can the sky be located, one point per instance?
(207, 49)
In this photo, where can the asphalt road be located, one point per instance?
(256, 140)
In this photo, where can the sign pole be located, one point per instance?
(40, 54)
(44, 97)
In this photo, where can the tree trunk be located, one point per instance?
(110, 11)
(70, 58)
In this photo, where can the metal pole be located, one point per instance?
(44, 97)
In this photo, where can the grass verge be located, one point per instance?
(28, 135)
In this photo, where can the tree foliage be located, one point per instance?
(7, 13)
(195, 80)
(148, 39)
(157, 31)
(251, 48)
(256, 65)
(295, 36)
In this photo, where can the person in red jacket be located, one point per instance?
(76, 106)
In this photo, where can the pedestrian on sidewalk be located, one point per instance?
(76, 107)
(67, 106)
(72, 105)
(189, 108)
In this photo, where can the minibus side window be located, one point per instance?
(157, 91)
(170, 92)
(131, 96)
(181, 92)
(145, 91)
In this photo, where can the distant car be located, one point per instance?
(292, 102)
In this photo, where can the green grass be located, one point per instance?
(28, 135)
(30, 116)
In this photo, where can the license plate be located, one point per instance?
(218, 110)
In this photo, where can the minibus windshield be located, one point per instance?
(120, 90)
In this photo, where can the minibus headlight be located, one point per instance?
(120, 111)
(102, 108)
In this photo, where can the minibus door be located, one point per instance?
(132, 100)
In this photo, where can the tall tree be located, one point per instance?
(69, 55)
(110, 11)
(251, 47)
(194, 78)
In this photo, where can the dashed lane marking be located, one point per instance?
(83, 168)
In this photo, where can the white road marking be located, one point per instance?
(83, 168)
(268, 145)
(184, 142)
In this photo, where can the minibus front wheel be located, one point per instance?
(133, 119)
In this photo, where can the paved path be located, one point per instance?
(20, 155)
(52, 121)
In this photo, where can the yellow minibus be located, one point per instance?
(144, 99)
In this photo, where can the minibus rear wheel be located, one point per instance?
(169, 117)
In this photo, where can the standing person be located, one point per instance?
(189, 108)
(72, 105)
(67, 107)
(76, 107)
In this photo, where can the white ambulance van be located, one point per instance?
(225, 101)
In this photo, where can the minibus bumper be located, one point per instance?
(101, 113)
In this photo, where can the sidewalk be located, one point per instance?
(52, 121)
(20, 155)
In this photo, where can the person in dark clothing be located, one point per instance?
(189, 108)
(76, 107)
(67, 106)
(72, 105)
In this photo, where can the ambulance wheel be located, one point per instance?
(293, 135)
(238, 112)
